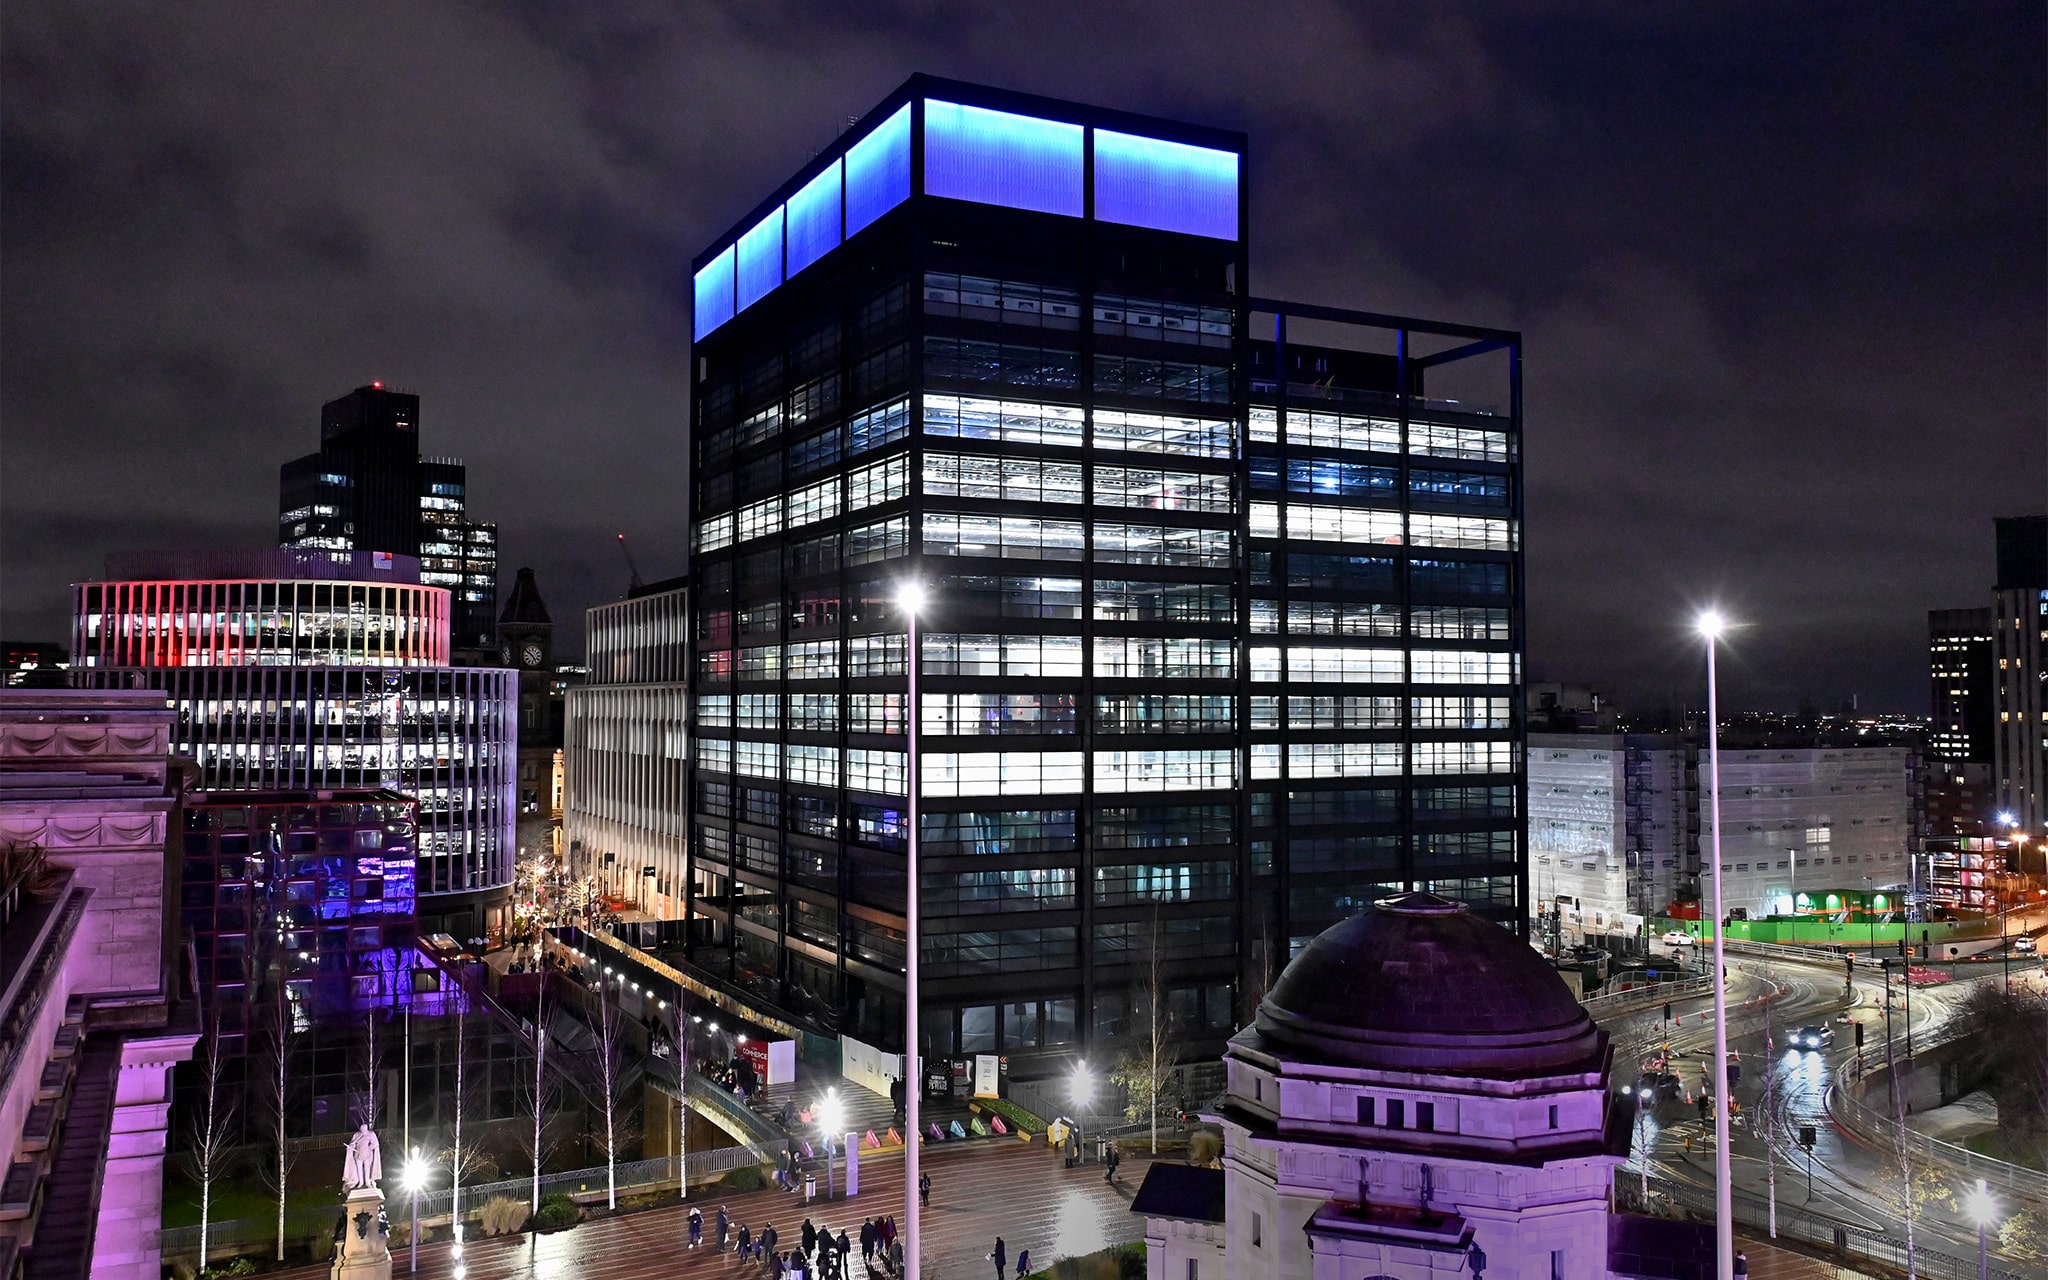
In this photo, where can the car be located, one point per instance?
(2024, 944)
(1678, 938)
(1813, 1036)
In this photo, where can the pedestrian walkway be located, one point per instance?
(1017, 1190)
(1769, 1262)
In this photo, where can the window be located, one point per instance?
(1160, 321)
(1464, 757)
(1396, 1117)
(1553, 1115)
(1327, 477)
(1011, 537)
(1131, 884)
(1160, 544)
(1167, 826)
(1130, 656)
(1005, 364)
(871, 485)
(1317, 523)
(999, 713)
(876, 772)
(882, 541)
(814, 712)
(1015, 421)
(1454, 581)
(1258, 1224)
(1165, 433)
(1165, 713)
(873, 712)
(1324, 430)
(964, 475)
(984, 773)
(1477, 533)
(1557, 1265)
(1159, 489)
(1002, 301)
(877, 427)
(1463, 666)
(1459, 489)
(1425, 1117)
(991, 655)
(1191, 770)
(876, 655)
(808, 505)
(1016, 597)
(1365, 574)
(1146, 379)
(812, 766)
(998, 832)
(1117, 601)
(1470, 444)
(1328, 618)
(1364, 1110)
(1345, 664)
(1338, 759)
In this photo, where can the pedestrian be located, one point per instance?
(845, 1247)
(1110, 1160)
(867, 1241)
(924, 1190)
(746, 1240)
(810, 1238)
(1000, 1258)
(768, 1235)
(1023, 1262)
(696, 1226)
(724, 1228)
(896, 1257)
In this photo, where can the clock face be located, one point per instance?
(531, 655)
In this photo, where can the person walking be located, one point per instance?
(768, 1237)
(724, 1228)
(810, 1238)
(746, 1240)
(1000, 1258)
(1110, 1160)
(867, 1241)
(1023, 1263)
(924, 1190)
(845, 1248)
(696, 1226)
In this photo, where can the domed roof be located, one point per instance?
(1418, 983)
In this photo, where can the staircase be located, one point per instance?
(71, 1204)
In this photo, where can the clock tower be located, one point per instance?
(526, 634)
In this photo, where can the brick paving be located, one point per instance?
(1015, 1189)
(1769, 1262)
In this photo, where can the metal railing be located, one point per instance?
(235, 1235)
(1875, 1127)
(1844, 1238)
(1649, 994)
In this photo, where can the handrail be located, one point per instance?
(1874, 1126)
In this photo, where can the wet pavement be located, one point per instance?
(1014, 1189)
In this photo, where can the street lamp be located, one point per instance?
(413, 1179)
(1983, 1210)
(830, 1114)
(1710, 625)
(911, 596)
(1081, 1088)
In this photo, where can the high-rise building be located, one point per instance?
(308, 671)
(1224, 629)
(370, 489)
(1613, 828)
(1960, 750)
(2020, 648)
(627, 809)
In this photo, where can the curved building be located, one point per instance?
(298, 670)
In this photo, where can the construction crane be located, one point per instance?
(634, 583)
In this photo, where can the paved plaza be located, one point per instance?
(1013, 1189)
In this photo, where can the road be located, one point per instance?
(1783, 1089)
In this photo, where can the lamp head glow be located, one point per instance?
(2006, 819)
(1711, 624)
(414, 1176)
(1980, 1206)
(911, 596)
(1083, 1086)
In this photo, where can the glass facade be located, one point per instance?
(1212, 611)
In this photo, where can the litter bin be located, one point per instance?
(810, 1187)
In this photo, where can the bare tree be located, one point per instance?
(273, 1094)
(542, 1095)
(212, 1124)
(611, 1070)
(369, 1062)
(1149, 1065)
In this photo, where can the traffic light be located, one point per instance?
(1902, 948)
(1667, 1011)
(1807, 1136)
(1849, 964)
(1859, 1035)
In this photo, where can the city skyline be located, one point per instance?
(1809, 249)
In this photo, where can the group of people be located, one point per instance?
(817, 1255)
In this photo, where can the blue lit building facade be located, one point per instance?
(1225, 628)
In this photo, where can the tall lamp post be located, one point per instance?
(830, 1114)
(1982, 1209)
(1711, 625)
(911, 596)
(414, 1179)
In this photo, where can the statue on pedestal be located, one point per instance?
(361, 1251)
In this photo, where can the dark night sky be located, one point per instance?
(1780, 269)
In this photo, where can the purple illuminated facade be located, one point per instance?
(313, 889)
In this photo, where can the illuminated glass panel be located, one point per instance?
(878, 171)
(714, 293)
(812, 230)
(1147, 182)
(994, 157)
(760, 259)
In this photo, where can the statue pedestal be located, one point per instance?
(364, 1253)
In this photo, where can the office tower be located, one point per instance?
(1963, 673)
(2020, 648)
(370, 489)
(1224, 627)
(627, 809)
(1613, 828)
(321, 671)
